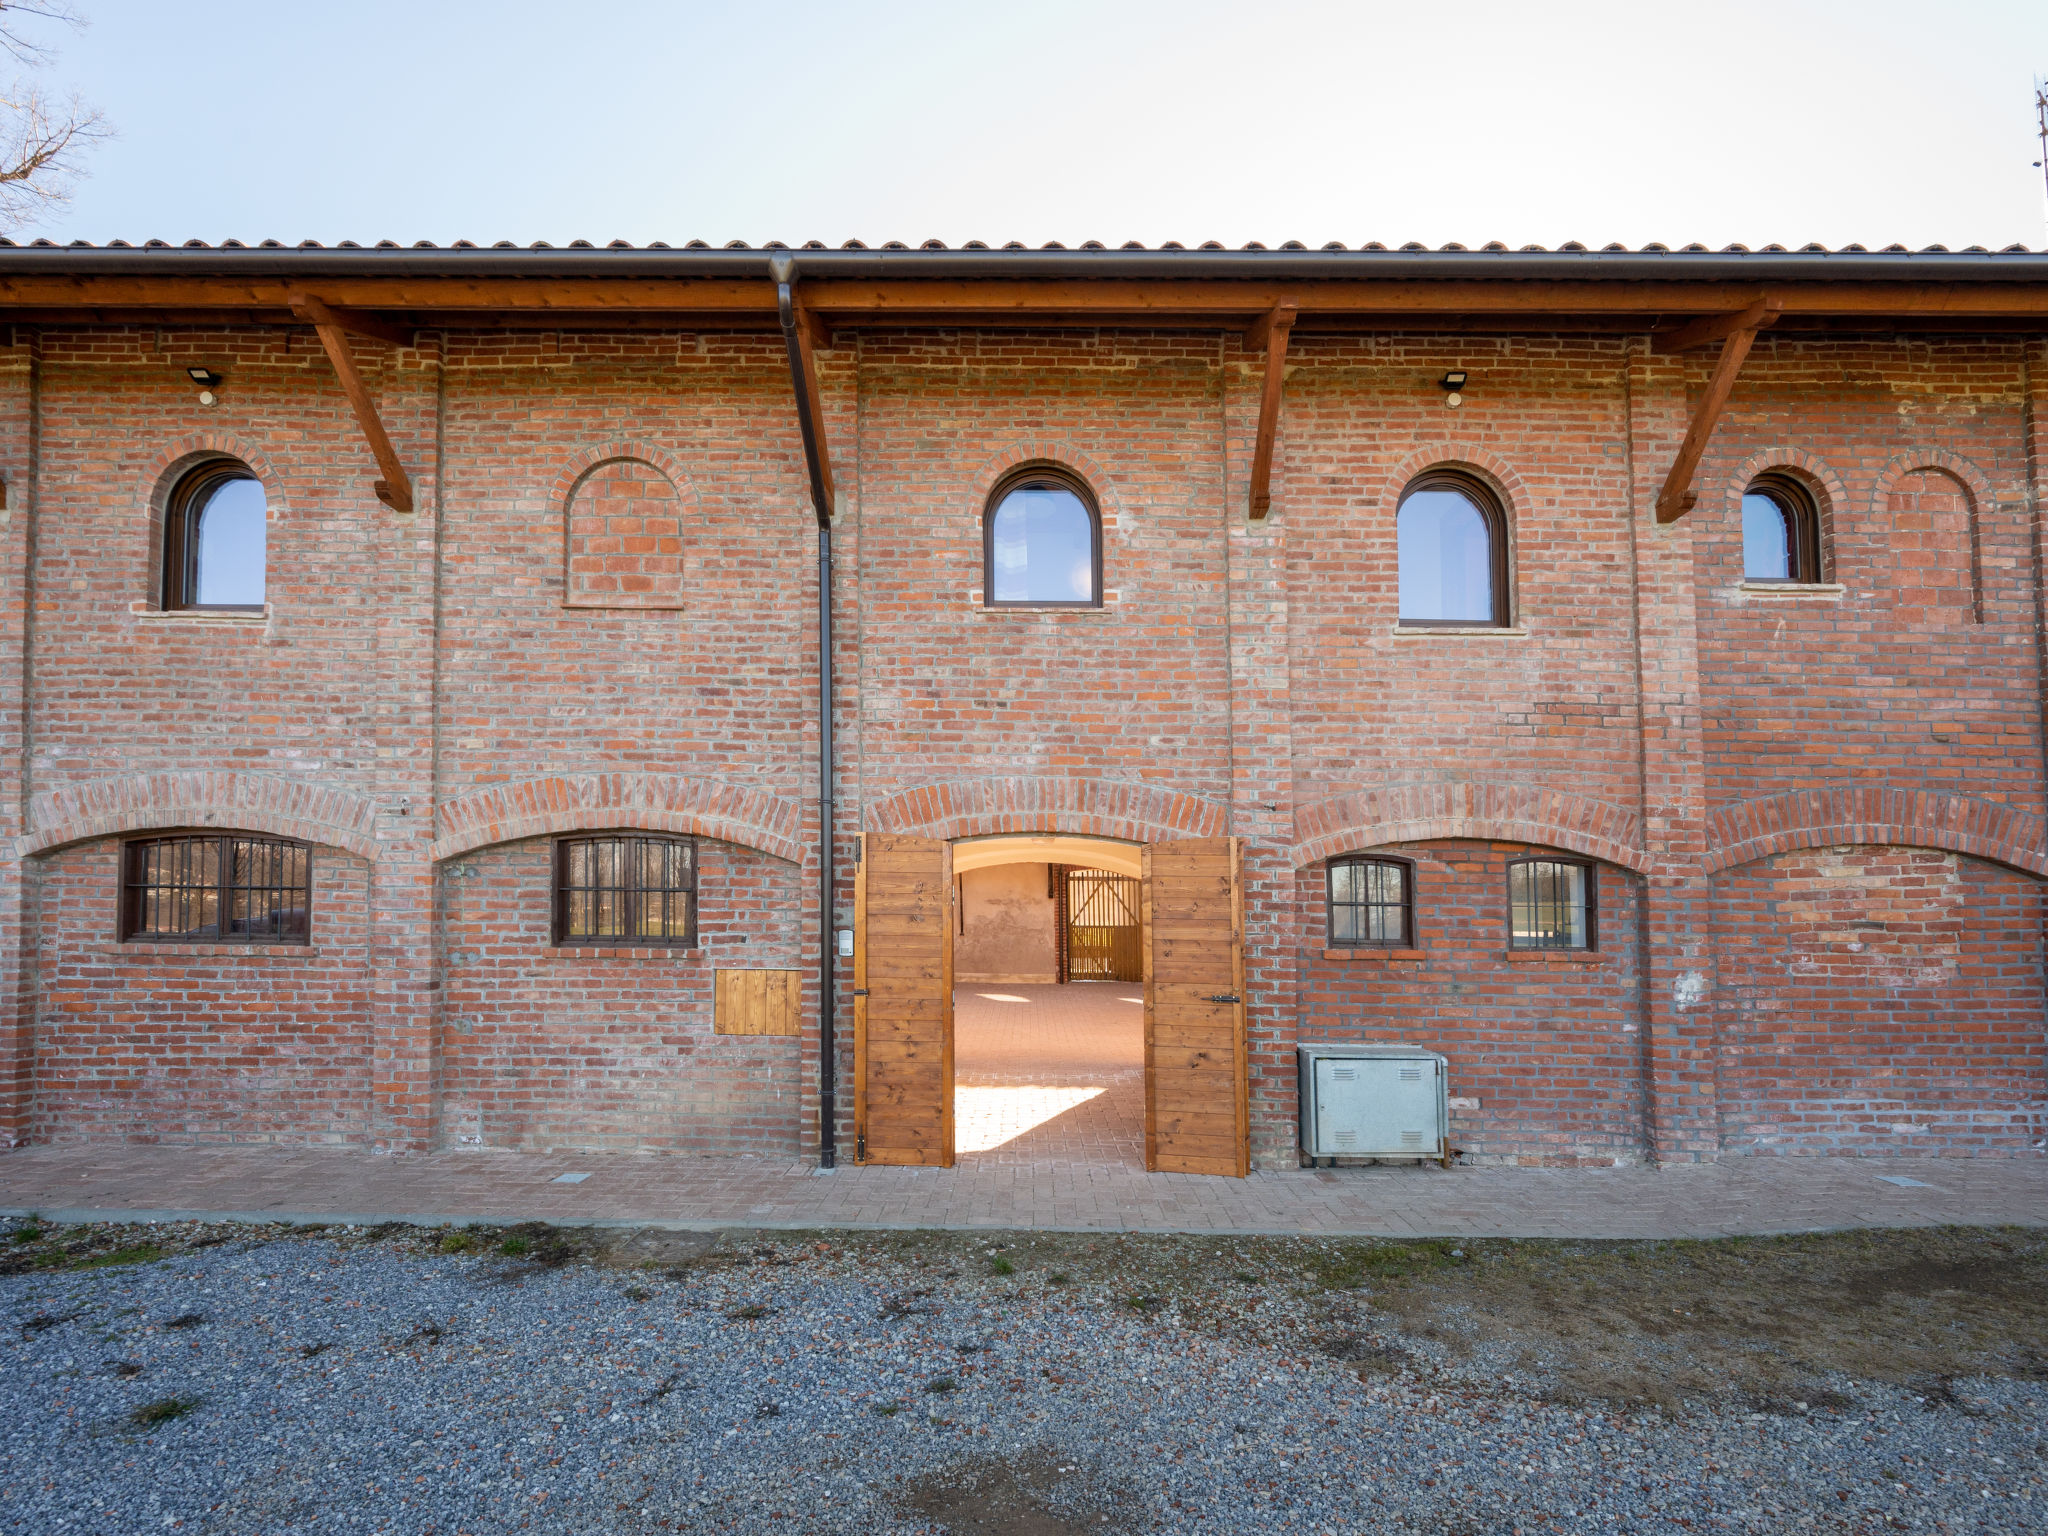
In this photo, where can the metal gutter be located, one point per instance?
(310, 264)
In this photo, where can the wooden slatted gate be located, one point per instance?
(1197, 1113)
(1104, 927)
(903, 1002)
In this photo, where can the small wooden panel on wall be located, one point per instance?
(758, 1003)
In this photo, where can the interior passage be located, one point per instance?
(1049, 1074)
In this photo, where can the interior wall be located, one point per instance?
(1006, 926)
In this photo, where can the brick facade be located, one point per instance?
(601, 616)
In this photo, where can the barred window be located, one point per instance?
(635, 891)
(222, 888)
(1551, 905)
(1372, 902)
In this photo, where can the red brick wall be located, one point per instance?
(549, 1048)
(193, 1044)
(1549, 1047)
(1880, 1000)
(431, 680)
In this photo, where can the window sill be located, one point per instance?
(174, 949)
(197, 615)
(622, 952)
(1555, 956)
(1111, 600)
(1498, 632)
(1822, 591)
(1375, 956)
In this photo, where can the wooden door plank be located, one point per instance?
(1196, 1068)
(906, 1043)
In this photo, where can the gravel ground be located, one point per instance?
(260, 1381)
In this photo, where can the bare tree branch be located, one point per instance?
(42, 141)
(24, 48)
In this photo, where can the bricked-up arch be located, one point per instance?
(1408, 813)
(242, 802)
(590, 802)
(1841, 815)
(625, 508)
(1138, 813)
(1915, 461)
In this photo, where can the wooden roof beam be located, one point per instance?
(1712, 328)
(395, 489)
(800, 335)
(1677, 497)
(1270, 334)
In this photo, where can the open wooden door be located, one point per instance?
(903, 1002)
(1197, 1116)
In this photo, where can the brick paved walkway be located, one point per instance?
(1049, 1075)
(1744, 1195)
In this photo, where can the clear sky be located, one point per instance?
(1040, 120)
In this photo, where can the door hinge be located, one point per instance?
(1224, 997)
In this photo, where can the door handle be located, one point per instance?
(860, 991)
(1224, 997)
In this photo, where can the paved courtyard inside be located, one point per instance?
(1049, 1075)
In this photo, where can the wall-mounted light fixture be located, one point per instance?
(207, 380)
(1453, 385)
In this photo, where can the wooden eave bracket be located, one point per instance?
(395, 489)
(1736, 333)
(1271, 333)
(802, 334)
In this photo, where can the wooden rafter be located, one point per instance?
(800, 334)
(1677, 497)
(372, 326)
(1271, 334)
(1708, 329)
(395, 489)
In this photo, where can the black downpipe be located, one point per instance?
(783, 271)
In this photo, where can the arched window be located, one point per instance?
(1453, 552)
(1042, 542)
(214, 538)
(1780, 532)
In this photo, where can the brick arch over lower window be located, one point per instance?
(1848, 814)
(592, 802)
(1141, 813)
(242, 802)
(1406, 813)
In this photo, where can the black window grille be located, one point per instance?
(1372, 903)
(634, 891)
(1552, 904)
(218, 887)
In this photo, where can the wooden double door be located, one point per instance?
(1196, 1111)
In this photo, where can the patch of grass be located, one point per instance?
(1001, 1266)
(751, 1311)
(1059, 1277)
(140, 1253)
(458, 1241)
(515, 1247)
(889, 1410)
(28, 1232)
(637, 1293)
(942, 1384)
(1145, 1304)
(163, 1411)
(1352, 1265)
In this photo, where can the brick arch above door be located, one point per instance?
(1139, 813)
(1840, 815)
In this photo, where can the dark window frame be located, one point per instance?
(133, 889)
(1494, 511)
(1592, 935)
(562, 892)
(1028, 477)
(1801, 511)
(187, 501)
(1408, 939)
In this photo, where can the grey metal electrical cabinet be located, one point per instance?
(1374, 1101)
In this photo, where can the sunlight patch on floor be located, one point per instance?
(1003, 997)
(987, 1117)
